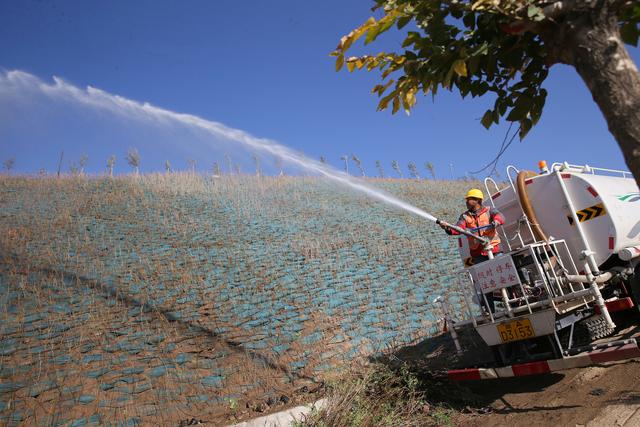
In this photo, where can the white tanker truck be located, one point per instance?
(571, 258)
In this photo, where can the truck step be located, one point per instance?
(606, 352)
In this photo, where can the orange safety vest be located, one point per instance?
(482, 219)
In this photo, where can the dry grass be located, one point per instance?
(377, 395)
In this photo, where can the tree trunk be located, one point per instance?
(594, 47)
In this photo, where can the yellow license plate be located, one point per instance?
(516, 330)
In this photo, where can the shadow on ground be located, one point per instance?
(187, 327)
(431, 358)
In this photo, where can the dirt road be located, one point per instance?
(605, 395)
(594, 396)
(601, 395)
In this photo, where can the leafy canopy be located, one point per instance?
(474, 46)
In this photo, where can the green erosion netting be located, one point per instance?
(161, 298)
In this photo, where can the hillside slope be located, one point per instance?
(160, 298)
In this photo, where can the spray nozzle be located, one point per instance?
(482, 240)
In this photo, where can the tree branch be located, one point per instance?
(556, 10)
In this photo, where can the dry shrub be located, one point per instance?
(377, 395)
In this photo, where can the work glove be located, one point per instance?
(495, 224)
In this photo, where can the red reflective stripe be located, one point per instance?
(566, 175)
(531, 368)
(617, 305)
(495, 196)
(528, 181)
(464, 374)
(610, 354)
(621, 352)
(593, 192)
(612, 242)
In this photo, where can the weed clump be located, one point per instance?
(380, 395)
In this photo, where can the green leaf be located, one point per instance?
(520, 110)
(630, 33)
(481, 50)
(380, 27)
(339, 62)
(464, 87)
(469, 20)
(483, 88)
(487, 119)
(501, 108)
(537, 106)
(456, 13)
(472, 64)
(380, 89)
(411, 38)
(409, 99)
(535, 13)
(372, 34)
(525, 127)
(396, 105)
(384, 102)
(490, 64)
(460, 67)
(402, 21)
(446, 82)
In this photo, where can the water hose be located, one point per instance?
(526, 205)
(527, 208)
(482, 240)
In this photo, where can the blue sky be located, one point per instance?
(264, 67)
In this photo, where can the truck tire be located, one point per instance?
(597, 327)
(586, 331)
(540, 348)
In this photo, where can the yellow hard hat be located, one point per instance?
(475, 193)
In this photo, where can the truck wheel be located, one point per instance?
(585, 332)
(498, 356)
(539, 348)
(597, 328)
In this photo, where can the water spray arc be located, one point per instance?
(22, 83)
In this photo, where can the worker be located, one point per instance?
(481, 220)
